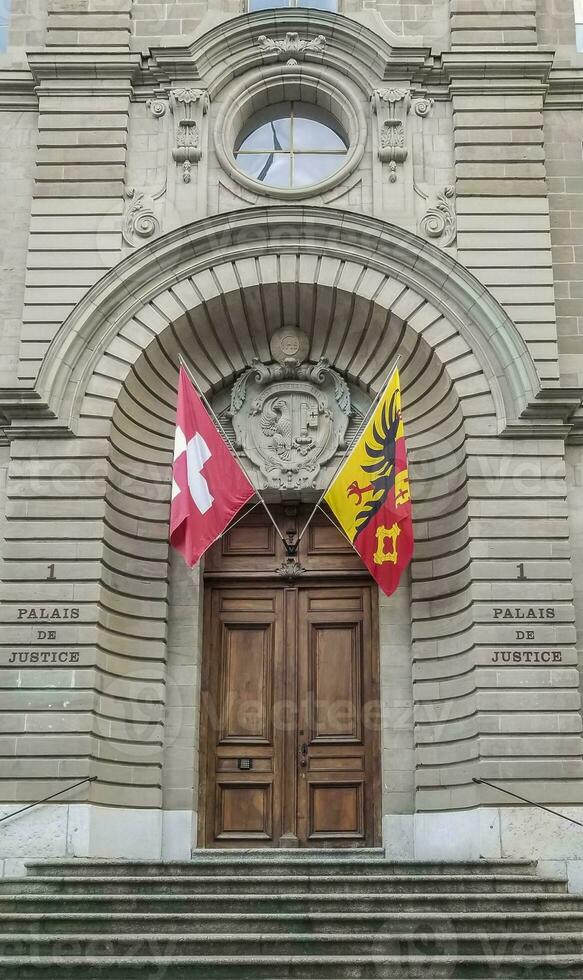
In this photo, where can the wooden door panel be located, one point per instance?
(337, 784)
(246, 691)
(251, 547)
(244, 811)
(325, 549)
(336, 810)
(242, 682)
(335, 653)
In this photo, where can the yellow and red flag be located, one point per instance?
(370, 497)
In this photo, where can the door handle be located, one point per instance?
(304, 755)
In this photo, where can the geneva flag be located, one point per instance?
(370, 496)
(208, 485)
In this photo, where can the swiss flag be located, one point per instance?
(208, 485)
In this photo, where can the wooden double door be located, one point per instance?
(290, 709)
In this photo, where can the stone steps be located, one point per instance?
(275, 883)
(311, 944)
(218, 904)
(304, 967)
(294, 915)
(232, 864)
(495, 924)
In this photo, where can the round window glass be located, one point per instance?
(292, 144)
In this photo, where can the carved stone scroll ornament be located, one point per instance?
(423, 106)
(140, 221)
(290, 417)
(189, 106)
(439, 221)
(293, 48)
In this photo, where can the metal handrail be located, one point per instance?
(530, 802)
(88, 779)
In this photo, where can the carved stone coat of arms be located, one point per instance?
(290, 417)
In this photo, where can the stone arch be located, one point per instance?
(354, 241)
(215, 291)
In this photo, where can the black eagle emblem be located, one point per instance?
(382, 453)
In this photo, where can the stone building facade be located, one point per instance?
(444, 225)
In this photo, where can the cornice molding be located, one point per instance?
(83, 64)
(497, 72)
(232, 46)
(552, 414)
(23, 415)
(565, 89)
(17, 90)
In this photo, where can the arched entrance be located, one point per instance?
(216, 292)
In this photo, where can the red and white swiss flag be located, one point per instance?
(208, 485)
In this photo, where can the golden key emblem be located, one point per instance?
(384, 534)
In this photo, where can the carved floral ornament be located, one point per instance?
(392, 107)
(292, 48)
(188, 106)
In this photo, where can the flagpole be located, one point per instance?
(336, 526)
(242, 517)
(361, 429)
(232, 449)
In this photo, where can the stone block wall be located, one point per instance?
(556, 27)
(27, 21)
(563, 146)
(18, 134)
(397, 703)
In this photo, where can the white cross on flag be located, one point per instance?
(208, 484)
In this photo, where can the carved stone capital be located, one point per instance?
(188, 106)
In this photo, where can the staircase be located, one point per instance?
(294, 914)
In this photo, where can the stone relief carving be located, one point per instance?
(157, 107)
(140, 220)
(290, 417)
(439, 220)
(293, 48)
(188, 106)
(392, 107)
(423, 106)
